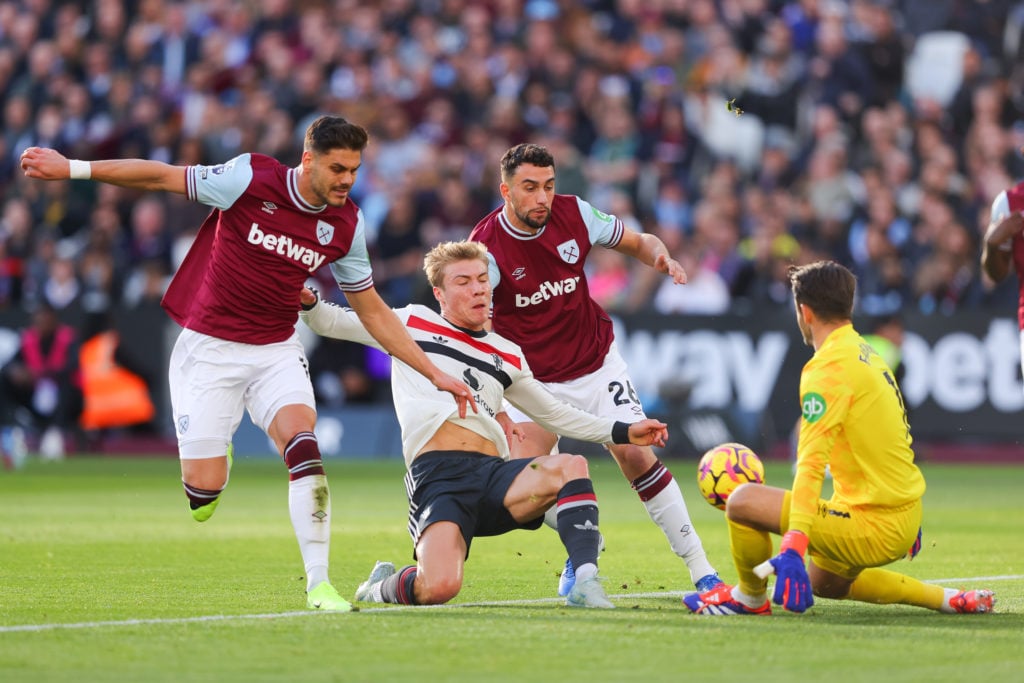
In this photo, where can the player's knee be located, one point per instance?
(634, 458)
(210, 473)
(437, 590)
(575, 467)
(741, 507)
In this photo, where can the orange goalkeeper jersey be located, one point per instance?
(853, 419)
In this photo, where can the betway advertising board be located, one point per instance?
(722, 377)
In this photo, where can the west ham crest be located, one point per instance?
(569, 251)
(324, 232)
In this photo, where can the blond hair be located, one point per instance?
(438, 258)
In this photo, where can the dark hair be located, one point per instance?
(826, 287)
(334, 132)
(525, 153)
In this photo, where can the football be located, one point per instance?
(725, 467)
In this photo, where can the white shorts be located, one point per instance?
(212, 380)
(606, 392)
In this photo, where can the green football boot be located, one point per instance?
(325, 597)
(204, 512)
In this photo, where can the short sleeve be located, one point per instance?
(219, 186)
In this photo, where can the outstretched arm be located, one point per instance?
(42, 163)
(381, 322)
(651, 251)
(533, 398)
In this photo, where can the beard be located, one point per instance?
(325, 193)
(532, 223)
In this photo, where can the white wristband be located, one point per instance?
(80, 170)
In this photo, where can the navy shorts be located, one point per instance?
(466, 488)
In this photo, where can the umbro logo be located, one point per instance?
(519, 273)
(319, 515)
(586, 526)
(269, 207)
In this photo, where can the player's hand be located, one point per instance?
(460, 390)
(45, 164)
(1002, 230)
(513, 434)
(792, 584)
(916, 548)
(308, 298)
(669, 266)
(648, 433)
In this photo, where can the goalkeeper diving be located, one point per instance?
(853, 421)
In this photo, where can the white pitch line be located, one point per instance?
(23, 628)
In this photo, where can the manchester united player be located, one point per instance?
(236, 296)
(538, 243)
(460, 481)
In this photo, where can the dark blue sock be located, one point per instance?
(577, 521)
(397, 588)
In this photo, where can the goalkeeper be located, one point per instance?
(853, 421)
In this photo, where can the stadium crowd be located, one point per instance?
(747, 134)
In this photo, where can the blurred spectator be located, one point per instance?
(705, 293)
(608, 278)
(398, 252)
(630, 96)
(62, 287)
(41, 387)
(885, 334)
(115, 388)
(341, 374)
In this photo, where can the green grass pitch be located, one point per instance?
(105, 577)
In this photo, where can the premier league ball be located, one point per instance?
(725, 467)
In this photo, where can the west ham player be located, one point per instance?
(1003, 245)
(854, 422)
(460, 481)
(236, 296)
(538, 243)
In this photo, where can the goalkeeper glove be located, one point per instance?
(792, 585)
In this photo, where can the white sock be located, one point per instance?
(551, 517)
(309, 503)
(668, 510)
(751, 601)
(586, 571)
(947, 594)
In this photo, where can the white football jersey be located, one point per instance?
(491, 365)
